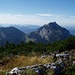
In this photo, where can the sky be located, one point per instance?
(37, 12)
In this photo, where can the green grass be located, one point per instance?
(29, 39)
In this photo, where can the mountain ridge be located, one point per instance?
(11, 34)
(48, 33)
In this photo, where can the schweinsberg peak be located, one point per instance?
(50, 32)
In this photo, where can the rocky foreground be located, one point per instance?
(56, 67)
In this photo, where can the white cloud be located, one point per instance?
(72, 16)
(36, 19)
(66, 20)
(45, 15)
(19, 19)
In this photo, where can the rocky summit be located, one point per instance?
(50, 33)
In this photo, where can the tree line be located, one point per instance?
(37, 48)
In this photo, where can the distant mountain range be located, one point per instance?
(47, 33)
(71, 29)
(30, 28)
(27, 28)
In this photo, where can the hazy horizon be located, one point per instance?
(8, 25)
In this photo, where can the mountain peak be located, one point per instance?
(50, 32)
(52, 23)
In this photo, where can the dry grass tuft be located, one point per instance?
(22, 61)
